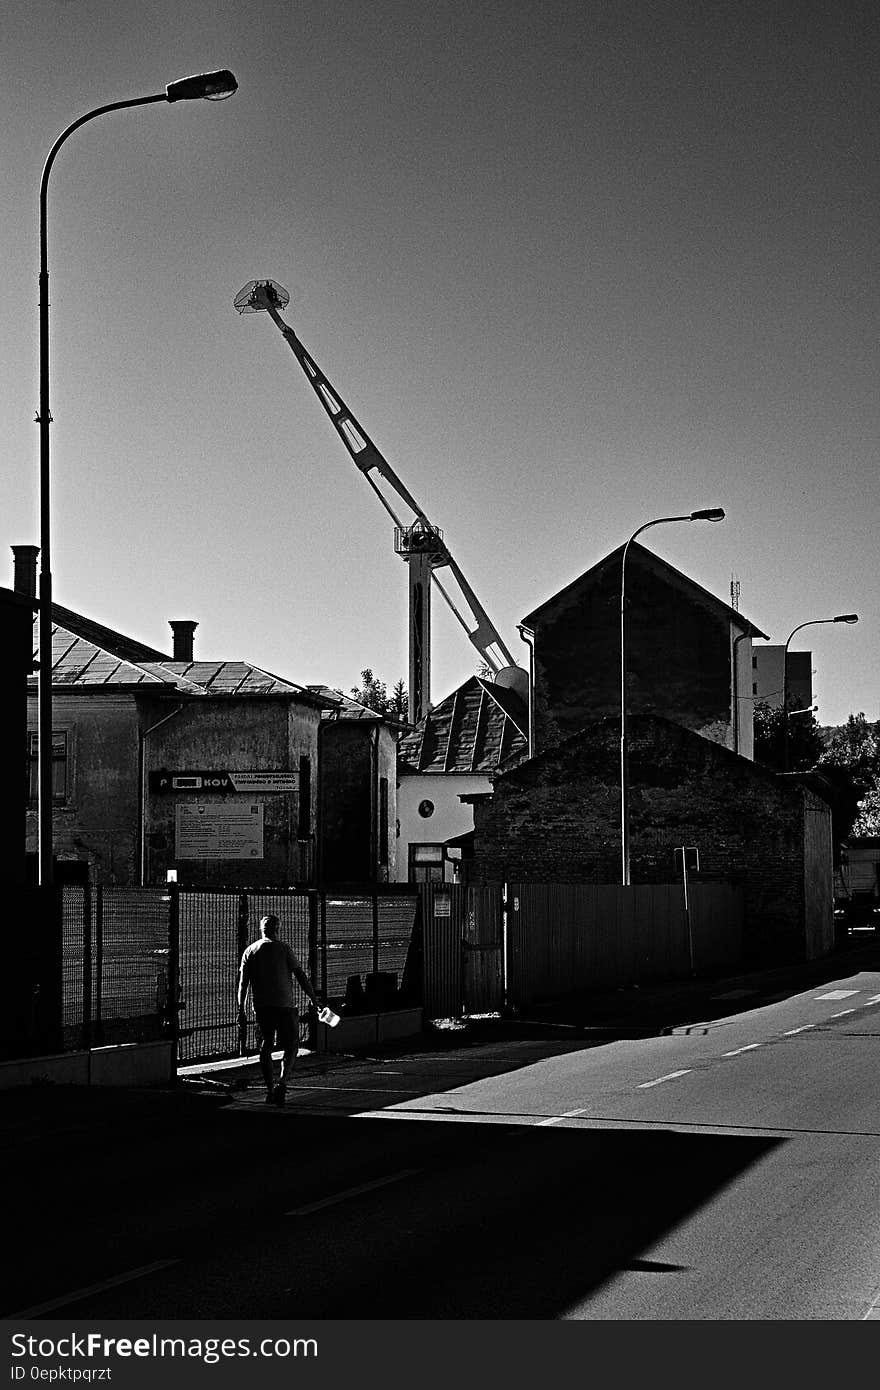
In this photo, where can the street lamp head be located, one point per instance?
(846, 618)
(215, 86)
(708, 514)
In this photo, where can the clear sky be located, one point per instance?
(574, 265)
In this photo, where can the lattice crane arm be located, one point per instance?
(269, 296)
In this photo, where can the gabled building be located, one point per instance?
(455, 751)
(688, 654)
(555, 816)
(208, 770)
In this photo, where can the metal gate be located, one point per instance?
(463, 949)
(483, 951)
(212, 929)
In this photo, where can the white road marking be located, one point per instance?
(875, 999)
(842, 1012)
(566, 1115)
(803, 1028)
(352, 1192)
(873, 1313)
(77, 1294)
(643, 1086)
(749, 1047)
(837, 994)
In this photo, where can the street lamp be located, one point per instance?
(211, 85)
(786, 713)
(708, 514)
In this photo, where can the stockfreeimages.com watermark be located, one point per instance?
(94, 1346)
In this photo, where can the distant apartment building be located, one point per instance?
(767, 677)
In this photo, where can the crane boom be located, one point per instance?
(419, 542)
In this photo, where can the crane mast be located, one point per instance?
(417, 541)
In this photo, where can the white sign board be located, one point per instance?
(212, 830)
(264, 781)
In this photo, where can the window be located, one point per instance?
(304, 813)
(754, 687)
(59, 768)
(426, 863)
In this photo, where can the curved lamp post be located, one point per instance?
(812, 622)
(211, 85)
(708, 514)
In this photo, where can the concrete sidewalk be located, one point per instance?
(648, 1009)
(634, 1012)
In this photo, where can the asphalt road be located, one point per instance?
(728, 1170)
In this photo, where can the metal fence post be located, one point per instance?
(313, 964)
(242, 933)
(376, 937)
(87, 966)
(174, 970)
(243, 921)
(99, 964)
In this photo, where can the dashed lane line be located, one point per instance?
(352, 1192)
(837, 994)
(841, 1013)
(749, 1047)
(89, 1289)
(671, 1076)
(803, 1029)
(557, 1119)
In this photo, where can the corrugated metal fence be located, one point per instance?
(566, 937)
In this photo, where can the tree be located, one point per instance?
(373, 693)
(805, 745)
(851, 762)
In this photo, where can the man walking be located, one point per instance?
(268, 968)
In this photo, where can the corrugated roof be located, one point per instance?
(344, 706)
(117, 643)
(475, 729)
(228, 678)
(80, 660)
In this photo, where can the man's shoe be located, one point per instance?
(279, 1095)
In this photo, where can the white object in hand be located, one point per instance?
(327, 1016)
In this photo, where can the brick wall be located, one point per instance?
(678, 652)
(556, 818)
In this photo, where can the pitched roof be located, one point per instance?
(475, 729)
(86, 654)
(117, 643)
(224, 678)
(649, 559)
(344, 707)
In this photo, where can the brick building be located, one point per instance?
(556, 818)
(688, 658)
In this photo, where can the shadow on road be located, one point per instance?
(476, 1221)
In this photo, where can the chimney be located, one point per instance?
(183, 630)
(25, 581)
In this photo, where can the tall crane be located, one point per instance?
(418, 541)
